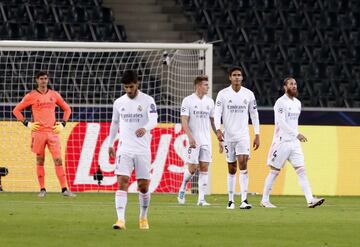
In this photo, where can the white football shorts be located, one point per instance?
(126, 163)
(281, 151)
(200, 153)
(232, 149)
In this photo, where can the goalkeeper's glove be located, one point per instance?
(59, 126)
(33, 126)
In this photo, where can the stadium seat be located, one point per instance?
(81, 32)
(16, 13)
(42, 13)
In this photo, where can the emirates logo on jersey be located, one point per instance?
(139, 108)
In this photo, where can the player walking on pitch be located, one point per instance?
(197, 114)
(135, 115)
(286, 145)
(45, 129)
(233, 105)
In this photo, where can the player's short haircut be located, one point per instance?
(285, 81)
(232, 69)
(129, 76)
(40, 73)
(200, 78)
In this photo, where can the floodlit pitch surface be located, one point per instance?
(86, 220)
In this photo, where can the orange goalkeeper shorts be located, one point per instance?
(39, 140)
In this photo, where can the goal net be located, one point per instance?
(87, 75)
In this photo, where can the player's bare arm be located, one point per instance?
(301, 137)
(256, 143)
(112, 152)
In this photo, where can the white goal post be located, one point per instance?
(87, 75)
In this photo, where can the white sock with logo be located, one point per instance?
(120, 203)
(231, 180)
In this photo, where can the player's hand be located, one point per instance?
(112, 152)
(256, 143)
(220, 135)
(301, 137)
(221, 147)
(140, 132)
(192, 142)
(58, 127)
(33, 126)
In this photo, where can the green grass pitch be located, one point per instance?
(26, 220)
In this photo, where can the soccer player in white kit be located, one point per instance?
(135, 115)
(286, 145)
(233, 105)
(197, 114)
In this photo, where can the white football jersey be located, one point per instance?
(234, 108)
(199, 111)
(130, 115)
(287, 112)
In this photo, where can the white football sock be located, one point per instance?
(269, 181)
(120, 203)
(203, 181)
(231, 180)
(244, 183)
(187, 177)
(144, 200)
(304, 183)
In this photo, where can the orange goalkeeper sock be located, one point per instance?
(40, 171)
(61, 175)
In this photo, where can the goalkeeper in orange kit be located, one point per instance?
(44, 128)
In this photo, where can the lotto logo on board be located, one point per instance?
(87, 150)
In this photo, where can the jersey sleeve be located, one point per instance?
(280, 119)
(24, 103)
(64, 106)
(152, 116)
(212, 108)
(254, 115)
(114, 125)
(185, 108)
(218, 110)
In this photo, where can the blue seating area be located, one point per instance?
(317, 41)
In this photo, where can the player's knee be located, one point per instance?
(123, 184)
(58, 161)
(232, 168)
(143, 185)
(40, 160)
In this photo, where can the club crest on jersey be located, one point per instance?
(280, 110)
(230, 101)
(195, 107)
(152, 108)
(123, 109)
(245, 102)
(207, 107)
(139, 108)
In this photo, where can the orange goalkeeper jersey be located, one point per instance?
(43, 108)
